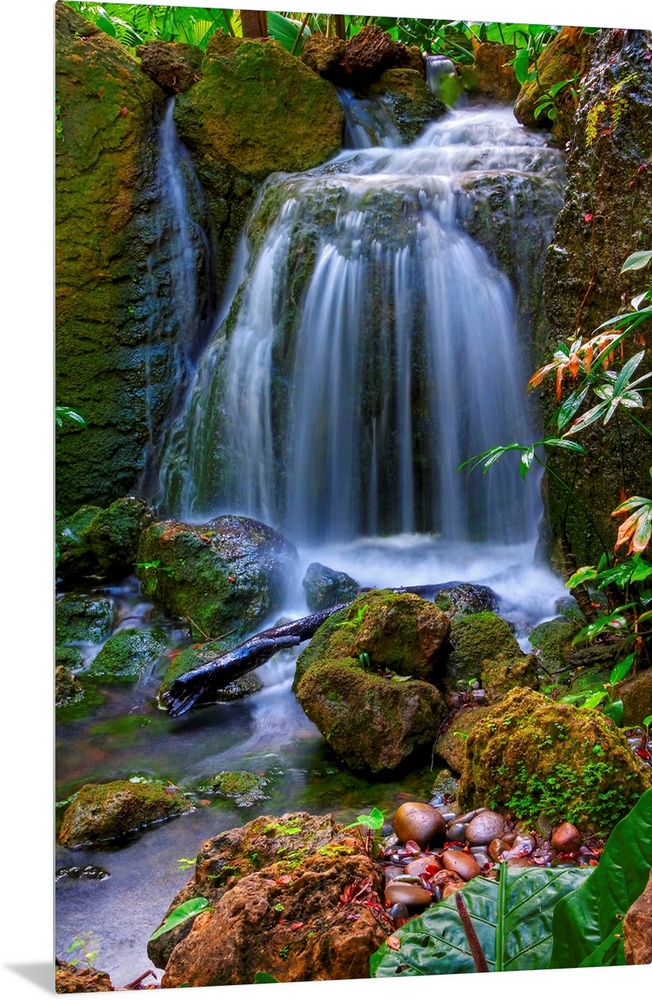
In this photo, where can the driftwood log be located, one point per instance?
(203, 683)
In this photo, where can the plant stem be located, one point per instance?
(479, 958)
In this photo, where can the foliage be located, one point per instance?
(512, 918)
(373, 822)
(64, 413)
(85, 948)
(587, 923)
(191, 908)
(547, 101)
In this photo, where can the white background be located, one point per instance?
(26, 489)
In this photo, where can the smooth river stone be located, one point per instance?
(566, 839)
(419, 866)
(410, 895)
(485, 827)
(497, 848)
(456, 831)
(419, 822)
(462, 864)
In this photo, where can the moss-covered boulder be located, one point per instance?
(552, 642)
(104, 812)
(82, 619)
(412, 105)
(466, 599)
(244, 787)
(563, 59)
(174, 66)
(605, 218)
(68, 656)
(226, 575)
(325, 587)
(127, 655)
(502, 674)
(532, 756)
(451, 745)
(68, 690)
(101, 543)
(394, 633)
(475, 638)
(184, 660)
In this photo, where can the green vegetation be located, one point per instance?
(84, 949)
(190, 909)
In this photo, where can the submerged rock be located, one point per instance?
(533, 756)
(326, 587)
(104, 812)
(224, 576)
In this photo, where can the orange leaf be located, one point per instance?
(574, 365)
(559, 383)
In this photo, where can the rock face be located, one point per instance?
(226, 575)
(533, 756)
(101, 813)
(101, 543)
(562, 59)
(364, 679)
(104, 164)
(604, 219)
(279, 882)
(637, 929)
(174, 66)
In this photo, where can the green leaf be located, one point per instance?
(526, 461)
(512, 918)
(589, 916)
(615, 710)
(191, 908)
(582, 574)
(265, 977)
(637, 260)
(621, 669)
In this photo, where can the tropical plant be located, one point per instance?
(84, 948)
(373, 824)
(179, 915)
(64, 413)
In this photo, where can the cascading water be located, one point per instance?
(374, 345)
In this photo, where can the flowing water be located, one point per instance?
(367, 345)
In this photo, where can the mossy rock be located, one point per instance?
(502, 674)
(562, 59)
(242, 786)
(82, 619)
(68, 690)
(372, 722)
(450, 746)
(474, 639)
(399, 633)
(412, 105)
(68, 656)
(466, 599)
(225, 576)
(635, 692)
(325, 587)
(532, 756)
(196, 656)
(552, 642)
(104, 812)
(101, 543)
(127, 654)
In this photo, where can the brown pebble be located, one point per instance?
(456, 831)
(412, 896)
(419, 822)
(393, 871)
(497, 848)
(419, 866)
(566, 839)
(462, 864)
(485, 827)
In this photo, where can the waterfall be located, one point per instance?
(374, 345)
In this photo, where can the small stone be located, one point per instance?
(419, 866)
(456, 831)
(566, 839)
(419, 822)
(485, 827)
(497, 848)
(462, 864)
(399, 911)
(412, 896)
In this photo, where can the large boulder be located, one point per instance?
(126, 656)
(101, 543)
(605, 218)
(360, 61)
(475, 638)
(103, 812)
(563, 59)
(227, 575)
(534, 757)
(281, 882)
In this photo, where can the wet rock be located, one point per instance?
(242, 786)
(456, 831)
(566, 839)
(174, 66)
(552, 642)
(475, 638)
(412, 105)
(491, 75)
(67, 689)
(82, 619)
(325, 587)
(637, 928)
(497, 848)
(485, 827)
(103, 812)
(101, 543)
(635, 692)
(419, 866)
(563, 59)
(127, 655)
(69, 978)
(226, 575)
(531, 755)
(444, 789)
(68, 656)
(450, 745)
(466, 599)
(413, 896)
(462, 864)
(502, 674)
(420, 822)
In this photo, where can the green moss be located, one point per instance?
(552, 642)
(127, 654)
(82, 619)
(475, 638)
(243, 786)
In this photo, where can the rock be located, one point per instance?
(293, 909)
(411, 104)
(174, 66)
(485, 827)
(227, 575)
(531, 755)
(327, 587)
(359, 62)
(69, 656)
(635, 692)
(67, 689)
(445, 787)
(420, 822)
(566, 839)
(69, 978)
(450, 745)
(324, 55)
(456, 831)
(462, 864)
(466, 599)
(242, 786)
(197, 655)
(103, 812)
(127, 655)
(475, 638)
(82, 619)
(562, 59)
(419, 866)
(415, 897)
(637, 928)
(497, 848)
(551, 641)
(101, 543)
(502, 674)
(491, 75)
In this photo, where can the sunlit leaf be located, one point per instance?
(621, 669)
(637, 260)
(191, 908)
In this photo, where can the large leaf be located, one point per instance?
(587, 922)
(511, 917)
(191, 908)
